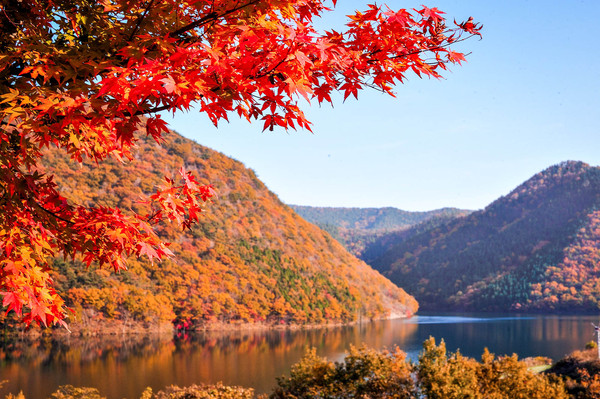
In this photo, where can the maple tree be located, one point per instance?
(89, 77)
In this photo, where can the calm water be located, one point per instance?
(122, 368)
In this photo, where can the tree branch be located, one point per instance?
(140, 20)
(212, 16)
(437, 47)
(52, 213)
(151, 110)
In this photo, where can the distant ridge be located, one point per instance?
(535, 249)
(366, 232)
(387, 218)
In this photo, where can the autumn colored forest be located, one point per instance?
(533, 250)
(251, 260)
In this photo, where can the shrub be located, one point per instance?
(71, 392)
(443, 377)
(364, 373)
(218, 391)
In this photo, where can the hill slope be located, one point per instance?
(368, 232)
(250, 259)
(538, 248)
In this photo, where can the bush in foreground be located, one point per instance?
(364, 373)
(440, 376)
(581, 373)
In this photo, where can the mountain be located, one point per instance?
(367, 232)
(373, 219)
(536, 249)
(250, 259)
(379, 243)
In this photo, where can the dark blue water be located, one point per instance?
(121, 366)
(551, 336)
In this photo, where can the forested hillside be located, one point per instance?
(367, 231)
(250, 259)
(538, 248)
(378, 244)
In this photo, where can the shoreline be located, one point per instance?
(112, 328)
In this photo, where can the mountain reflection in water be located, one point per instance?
(122, 366)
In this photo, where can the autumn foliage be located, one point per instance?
(251, 260)
(366, 373)
(89, 78)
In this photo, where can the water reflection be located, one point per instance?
(460, 319)
(122, 366)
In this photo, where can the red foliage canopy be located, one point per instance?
(87, 76)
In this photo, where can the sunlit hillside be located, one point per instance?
(250, 259)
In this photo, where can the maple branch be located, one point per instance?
(153, 216)
(162, 107)
(211, 16)
(437, 47)
(7, 17)
(52, 213)
(270, 71)
(140, 20)
(151, 110)
(4, 122)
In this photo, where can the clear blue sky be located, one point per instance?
(528, 98)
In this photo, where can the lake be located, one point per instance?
(122, 366)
